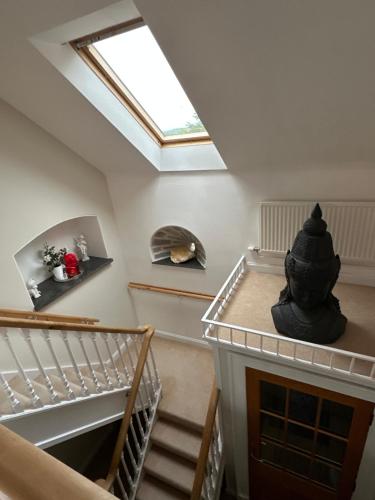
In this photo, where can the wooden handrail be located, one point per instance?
(77, 327)
(123, 432)
(171, 291)
(206, 442)
(16, 313)
(28, 473)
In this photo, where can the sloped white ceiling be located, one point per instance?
(274, 82)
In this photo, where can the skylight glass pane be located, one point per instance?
(139, 63)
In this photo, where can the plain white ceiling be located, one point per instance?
(275, 83)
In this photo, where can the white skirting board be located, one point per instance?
(182, 338)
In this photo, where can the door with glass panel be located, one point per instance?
(304, 442)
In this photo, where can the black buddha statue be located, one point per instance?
(307, 310)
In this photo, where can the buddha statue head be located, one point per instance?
(311, 270)
(311, 267)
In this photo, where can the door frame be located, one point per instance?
(361, 422)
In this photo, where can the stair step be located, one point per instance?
(5, 406)
(177, 419)
(18, 385)
(152, 489)
(177, 439)
(170, 469)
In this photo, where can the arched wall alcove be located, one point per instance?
(168, 237)
(62, 235)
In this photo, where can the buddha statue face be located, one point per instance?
(309, 285)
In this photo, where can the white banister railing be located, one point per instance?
(209, 470)
(44, 363)
(131, 446)
(339, 363)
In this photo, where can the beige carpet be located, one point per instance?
(187, 375)
(250, 307)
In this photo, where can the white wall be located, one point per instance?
(41, 184)
(221, 210)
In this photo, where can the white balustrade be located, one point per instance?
(338, 363)
(61, 360)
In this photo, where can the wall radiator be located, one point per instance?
(352, 225)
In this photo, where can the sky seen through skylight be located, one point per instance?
(139, 63)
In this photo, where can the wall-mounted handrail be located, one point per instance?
(26, 472)
(130, 405)
(208, 436)
(171, 291)
(77, 327)
(17, 313)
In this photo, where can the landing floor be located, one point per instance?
(187, 374)
(250, 307)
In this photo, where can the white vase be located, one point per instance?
(58, 272)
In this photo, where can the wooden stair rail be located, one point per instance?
(206, 442)
(77, 327)
(28, 473)
(16, 313)
(171, 291)
(123, 432)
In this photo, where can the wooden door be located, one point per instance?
(304, 442)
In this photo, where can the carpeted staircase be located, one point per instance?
(186, 373)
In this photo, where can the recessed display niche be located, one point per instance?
(30, 263)
(169, 237)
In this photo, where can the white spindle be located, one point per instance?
(114, 367)
(145, 384)
(135, 438)
(154, 365)
(35, 399)
(151, 379)
(372, 374)
(98, 387)
(84, 389)
(131, 456)
(122, 489)
(127, 474)
(107, 378)
(14, 402)
(133, 372)
(65, 381)
(331, 357)
(52, 393)
(294, 351)
(205, 491)
(352, 363)
(115, 337)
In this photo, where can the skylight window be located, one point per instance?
(131, 63)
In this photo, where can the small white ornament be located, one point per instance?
(82, 245)
(33, 289)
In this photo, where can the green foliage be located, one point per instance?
(191, 127)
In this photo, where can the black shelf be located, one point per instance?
(189, 264)
(51, 290)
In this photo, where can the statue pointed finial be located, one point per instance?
(315, 225)
(317, 212)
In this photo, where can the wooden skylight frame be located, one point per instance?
(85, 49)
